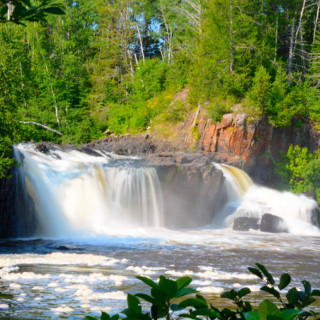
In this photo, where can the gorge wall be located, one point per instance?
(249, 145)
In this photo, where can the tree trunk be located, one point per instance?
(276, 41)
(10, 6)
(23, 86)
(141, 44)
(290, 62)
(316, 22)
(50, 82)
(231, 38)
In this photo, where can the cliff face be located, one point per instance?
(250, 145)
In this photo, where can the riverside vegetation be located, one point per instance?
(168, 300)
(117, 66)
(165, 299)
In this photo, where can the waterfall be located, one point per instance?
(246, 199)
(65, 192)
(79, 194)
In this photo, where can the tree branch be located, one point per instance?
(41, 125)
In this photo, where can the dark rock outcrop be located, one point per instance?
(246, 224)
(273, 224)
(131, 145)
(7, 210)
(315, 219)
(192, 188)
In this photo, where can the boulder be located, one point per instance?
(272, 223)
(245, 224)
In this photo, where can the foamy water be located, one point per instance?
(90, 275)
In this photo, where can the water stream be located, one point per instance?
(100, 222)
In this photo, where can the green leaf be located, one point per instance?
(266, 273)
(272, 291)
(267, 308)
(232, 294)
(302, 295)
(148, 282)
(285, 279)
(308, 302)
(243, 292)
(146, 298)
(256, 272)
(26, 2)
(293, 295)
(169, 287)
(193, 302)
(247, 306)
(115, 317)
(104, 316)
(133, 303)
(205, 312)
(185, 291)
(53, 10)
(289, 314)
(183, 282)
(252, 315)
(315, 293)
(307, 286)
(159, 295)
(3, 11)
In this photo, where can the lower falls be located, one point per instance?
(63, 193)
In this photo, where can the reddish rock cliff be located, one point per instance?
(250, 145)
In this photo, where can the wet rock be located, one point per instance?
(90, 152)
(43, 147)
(245, 224)
(315, 219)
(273, 224)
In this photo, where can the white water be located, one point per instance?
(76, 194)
(250, 200)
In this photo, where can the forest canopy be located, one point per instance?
(116, 65)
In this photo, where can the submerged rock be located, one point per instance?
(273, 224)
(245, 224)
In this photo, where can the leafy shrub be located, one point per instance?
(166, 298)
(299, 170)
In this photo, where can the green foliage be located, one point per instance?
(28, 10)
(299, 170)
(118, 65)
(258, 95)
(166, 301)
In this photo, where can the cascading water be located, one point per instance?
(79, 194)
(246, 199)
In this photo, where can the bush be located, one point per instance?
(299, 170)
(167, 295)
